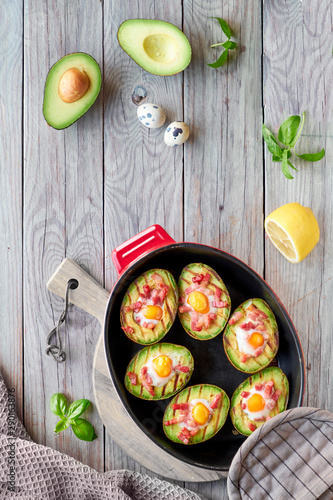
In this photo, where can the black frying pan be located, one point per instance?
(210, 362)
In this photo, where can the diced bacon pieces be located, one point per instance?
(150, 325)
(183, 309)
(260, 327)
(176, 420)
(146, 380)
(146, 290)
(259, 351)
(243, 406)
(181, 299)
(258, 387)
(181, 406)
(251, 426)
(243, 358)
(235, 317)
(207, 322)
(194, 322)
(259, 419)
(248, 326)
(218, 293)
(157, 278)
(220, 303)
(181, 368)
(268, 389)
(163, 292)
(191, 288)
(136, 306)
(133, 378)
(257, 312)
(128, 329)
(182, 437)
(270, 404)
(276, 395)
(198, 278)
(214, 404)
(205, 279)
(245, 394)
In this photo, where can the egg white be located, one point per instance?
(158, 381)
(252, 415)
(242, 337)
(192, 403)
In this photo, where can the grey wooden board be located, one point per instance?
(83, 191)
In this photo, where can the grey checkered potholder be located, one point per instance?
(288, 457)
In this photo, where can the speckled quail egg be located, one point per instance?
(176, 133)
(151, 115)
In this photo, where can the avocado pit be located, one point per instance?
(73, 84)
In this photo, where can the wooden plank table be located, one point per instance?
(81, 192)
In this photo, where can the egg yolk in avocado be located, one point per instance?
(162, 365)
(200, 413)
(199, 302)
(152, 312)
(256, 340)
(256, 403)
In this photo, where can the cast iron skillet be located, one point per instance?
(211, 365)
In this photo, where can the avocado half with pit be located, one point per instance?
(251, 339)
(157, 46)
(72, 86)
(159, 371)
(204, 301)
(149, 307)
(259, 398)
(196, 414)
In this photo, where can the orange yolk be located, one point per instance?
(200, 413)
(162, 365)
(256, 340)
(199, 302)
(256, 403)
(152, 312)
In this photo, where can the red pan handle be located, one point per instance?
(148, 240)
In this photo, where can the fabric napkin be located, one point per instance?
(35, 472)
(288, 457)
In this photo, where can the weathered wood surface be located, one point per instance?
(82, 191)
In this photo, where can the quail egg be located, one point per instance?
(176, 133)
(151, 115)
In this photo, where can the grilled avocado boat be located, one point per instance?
(251, 339)
(196, 414)
(204, 301)
(259, 398)
(149, 307)
(159, 371)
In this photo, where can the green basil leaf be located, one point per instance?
(229, 45)
(272, 144)
(77, 408)
(224, 25)
(292, 166)
(312, 156)
(221, 60)
(288, 130)
(58, 404)
(284, 165)
(84, 430)
(61, 426)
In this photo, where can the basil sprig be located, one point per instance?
(69, 416)
(228, 45)
(288, 135)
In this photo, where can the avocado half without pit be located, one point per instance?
(157, 46)
(71, 87)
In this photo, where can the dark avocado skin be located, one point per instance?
(142, 335)
(176, 384)
(185, 280)
(252, 365)
(239, 419)
(201, 391)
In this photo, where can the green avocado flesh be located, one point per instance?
(141, 334)
(251, 364)
(215, 422)
(157, 46)
(215, 282)
(179, 356)
(60, 114)
(239, 419)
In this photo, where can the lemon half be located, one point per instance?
(293, 230)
